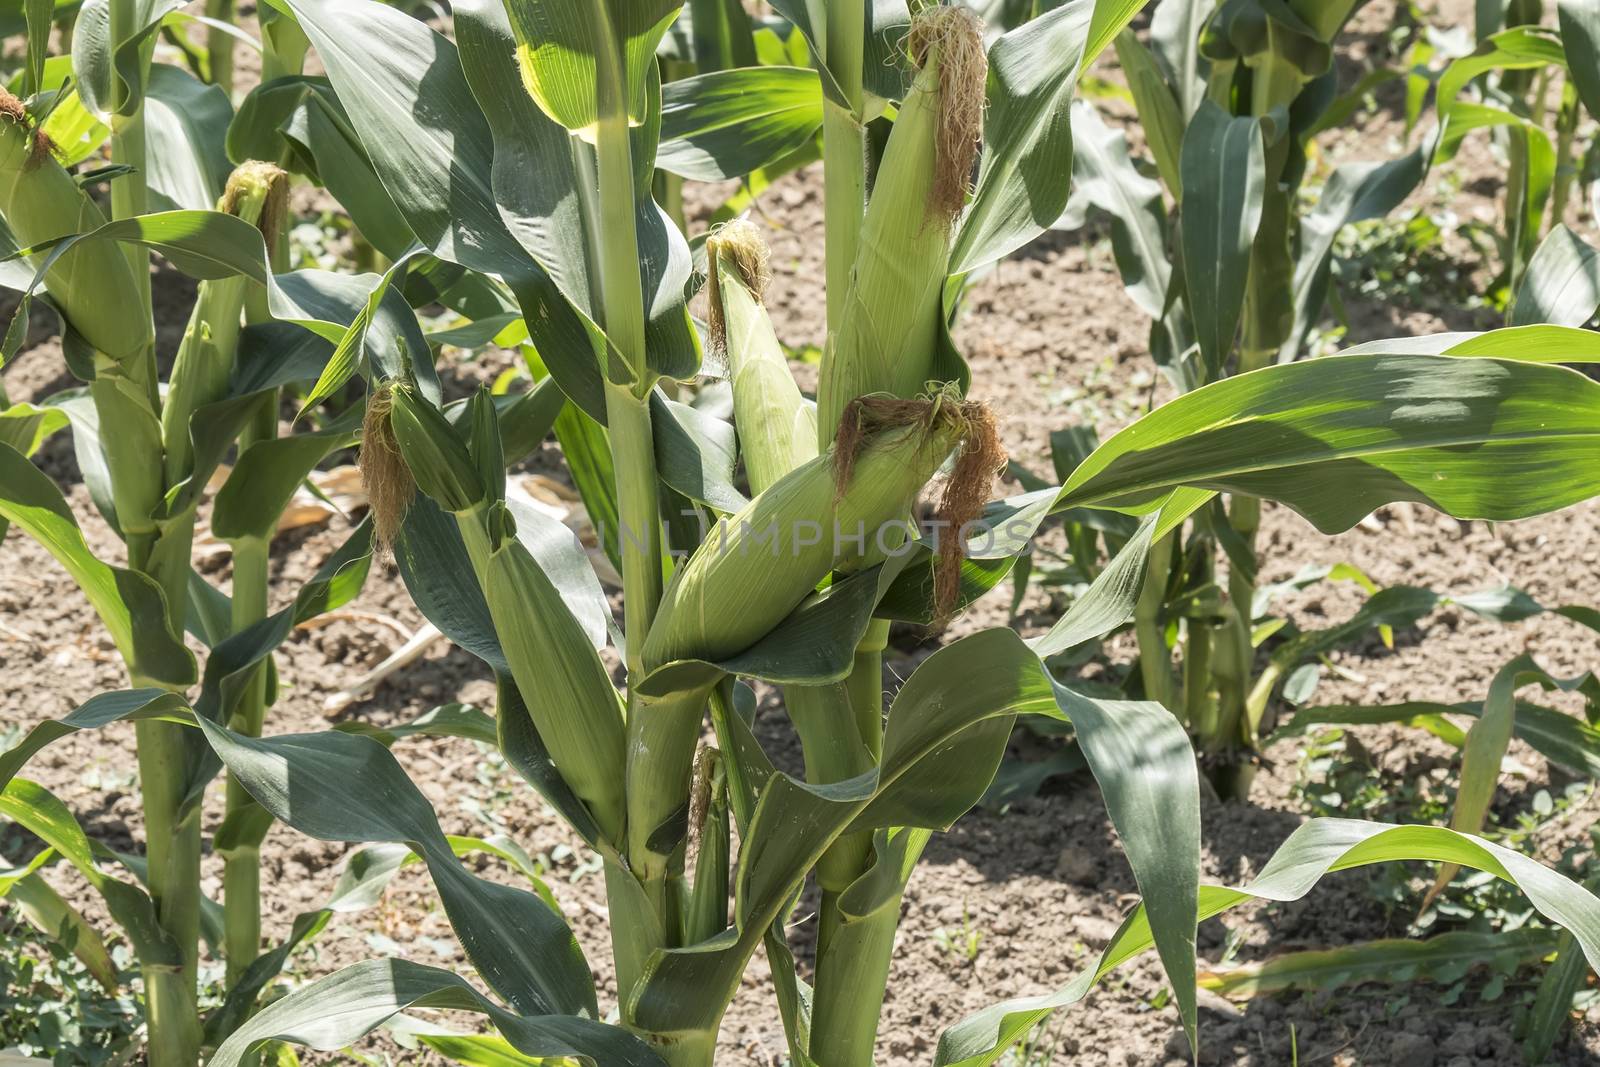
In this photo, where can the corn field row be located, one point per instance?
(516, 171)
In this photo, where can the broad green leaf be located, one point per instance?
(43, 814)
(363, 877)
(1354, 192)
(1522, 48)
(185, 122)
(259, 487)
(1562, 283)
(1336, 438)
(129, 604)
(1110, 16)
(946, 732)
(1485, 749)
(728, 123)
(1445, 958)
(52, 916)
(1224, 181)
(1022, 187)
(25, 426)
(98, 711)
(1317, 848)
(1175, 38)
(1160, 113)
(1580, 41)
(566, 48)
(98, 60)
(1529, 344)
(334, 1012)
(1105, 175)
(340, 787)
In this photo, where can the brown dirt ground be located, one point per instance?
(1053, 340)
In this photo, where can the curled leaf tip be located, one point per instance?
(952, 38)
(385, 476)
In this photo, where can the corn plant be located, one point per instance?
(516, 164)
(148, 450)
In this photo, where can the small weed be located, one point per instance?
(964, 942)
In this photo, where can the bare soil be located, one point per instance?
(1053, 341)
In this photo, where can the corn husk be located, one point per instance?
(777, 428)
(885, 341)
(92, 283)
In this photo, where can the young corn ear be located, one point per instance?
(258, 193)
(842, 511)
(557, 670)
(91, 283)
(886, 334)
(777, 428)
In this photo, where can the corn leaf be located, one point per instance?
(1562, 283)
(1107, 178)
(335, 1011)
(185, 120)
(1530, 344)
(1033, 71)
(1317, 848)
(1336, 438)
(730, 122)
(363, 877)
(61, 922)
(1445, 958)
(1580, 41)
(43, 814)
(129, 604)
(97, 58)
(1223, 164)
(103, 709)
(1354, 192)
(946, 732)
(339, 787)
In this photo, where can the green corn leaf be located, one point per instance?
(1580, 41)
(1033, 71)
(1354, 192)
(185, 120)
(946, 732)
(1562, 283)
(731, 122)
(339, 787)
(696, 454)
(446, 720)
(52, 916)
(252, 500)
(363, 877)
(1159, 111)
(1336, 438)
(566, 48)
(1445, 958)
(129, 604)
(43, 814)
(1317, 848)
(1103, 173)
(25, 426)
(1175, 39)
(1530, 344)
(98, 59)
(334, 1012)
(1522, 48)
(1552, 1004)
(124, 705)
(1224, 181)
